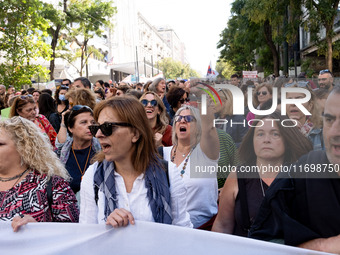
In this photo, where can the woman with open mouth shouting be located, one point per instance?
(194, 157)
(128, 181)
(156, 114)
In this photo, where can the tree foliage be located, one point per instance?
(173, 69)
(258, 25)
(90, 17)
(322, 14)
(225, 69)
(21, 41)
(240, 39)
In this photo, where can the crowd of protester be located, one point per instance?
(116, 153)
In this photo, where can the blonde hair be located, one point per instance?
(82, 97)
(34, 147)
(162, 119)
(227, 109)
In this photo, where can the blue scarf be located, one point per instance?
(155, 181)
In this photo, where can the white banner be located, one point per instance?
(142, 238)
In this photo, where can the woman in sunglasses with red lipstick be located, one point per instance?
(194, 153)
(156, 114)
(128, 181)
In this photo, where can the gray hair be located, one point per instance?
(154, 84)
(198, 132)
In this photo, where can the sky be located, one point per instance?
(197, 23)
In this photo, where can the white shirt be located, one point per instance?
(136, 201)
(202, 189)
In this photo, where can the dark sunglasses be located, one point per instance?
(325, 71)
(107, 128)
(64, 87)
(300, 84)
(182, 100)
(27, 96)
(187, 118)
(261, 92)
(145, 102)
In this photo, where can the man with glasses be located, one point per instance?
(326, 79)
(66, 83)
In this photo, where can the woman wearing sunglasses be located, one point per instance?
(176, 98)
(194, 153)
(156, 114)
(25, 107)
(128, 181)
(262, 93)
(81, 146)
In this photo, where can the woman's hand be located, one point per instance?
(120, 218)
(63, 116)
(19, 221)
(158, 139)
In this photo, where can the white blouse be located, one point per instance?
(201, 183)
(136, 201)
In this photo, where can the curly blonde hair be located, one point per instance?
(34, 147)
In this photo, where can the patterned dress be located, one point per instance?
(30, 197)
(42, 122)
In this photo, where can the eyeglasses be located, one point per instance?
(300, 84)
(261, 92)
(187, 118)
(64, 86)
(27, 96)
(325, 71)
(182, 100)
(107, 128)
(145, 102)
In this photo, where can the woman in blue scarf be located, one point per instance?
(128, 181)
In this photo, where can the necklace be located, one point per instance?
(87, 160)
(185, 162)
(14, 177)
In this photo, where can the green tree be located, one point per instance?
(21, 41)
(90, 17)
(322, 13)
(240, 39)
(58, 21)
(173, 69)
(279, 20)
(225, 69)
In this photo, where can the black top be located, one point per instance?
(250, 192)
(300, 209)
(73, 169)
